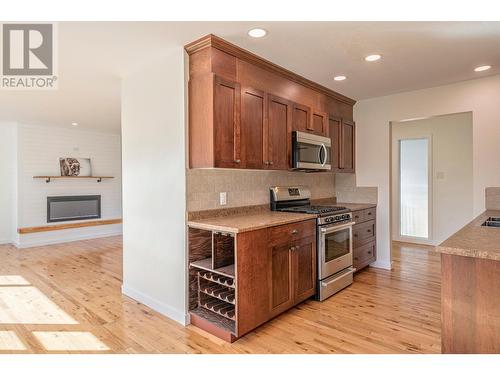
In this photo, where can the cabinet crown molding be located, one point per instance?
(214, 41)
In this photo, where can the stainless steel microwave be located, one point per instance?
(310, 152)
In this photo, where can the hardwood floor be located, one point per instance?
(67, 299)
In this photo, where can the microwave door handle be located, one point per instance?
(323, 162)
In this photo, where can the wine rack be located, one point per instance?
(216, 278)
(216, 293)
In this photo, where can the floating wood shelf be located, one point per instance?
(49, 228)
(49, 178)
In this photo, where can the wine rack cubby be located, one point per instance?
(212, 284)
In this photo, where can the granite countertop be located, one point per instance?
(239, 223)
(244, 219)
(473, 240)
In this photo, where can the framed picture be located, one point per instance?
(75, 167)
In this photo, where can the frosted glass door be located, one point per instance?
(414, 187)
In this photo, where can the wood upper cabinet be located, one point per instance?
(304, 267)
(342, 133)
(347, 160)
(238, 114)
(319, 123)
(226, 112)
(277, 135)
(252, 126)
(334, 125)
(301, 118)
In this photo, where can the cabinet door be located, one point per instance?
(278, 133)
(319, 123)
(301, 118)
(226, 123)
(304, 268)
(347, 161)
(253, 109)
(334, 130)
(280, 264)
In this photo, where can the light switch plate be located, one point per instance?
(223, 198)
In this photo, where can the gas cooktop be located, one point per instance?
(318, 210)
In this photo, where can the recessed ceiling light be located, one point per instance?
(74, 123)
(482, 68)
(373, 57)
(339, 78)
(257, 33)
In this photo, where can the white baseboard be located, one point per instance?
(5, 241)
(386, 265)
(162, 308)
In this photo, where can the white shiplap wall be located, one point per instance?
(39, 149)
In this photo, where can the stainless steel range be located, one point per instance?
(333, 239)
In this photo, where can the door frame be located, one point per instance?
(430, 174)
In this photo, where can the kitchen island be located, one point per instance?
(470, 290)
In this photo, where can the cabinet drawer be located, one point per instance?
(364, 255)
(364, 215)
(291, 232)
(363, 233)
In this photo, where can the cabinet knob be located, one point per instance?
(297, 247)
(369, 213)
(295, 231)
(270, 163)
(237, 161)
(369, 252)
(369, 230)
(355, 235)
(355, 258)
(266, 163)
(292, 248)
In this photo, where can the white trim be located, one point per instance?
(386, 265)
(162, 308)
(5, 241)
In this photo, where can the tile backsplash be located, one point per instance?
(493, 198)
(347, 191)
(249, 187)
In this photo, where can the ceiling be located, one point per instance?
(93, 56)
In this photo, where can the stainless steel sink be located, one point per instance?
(492, 222)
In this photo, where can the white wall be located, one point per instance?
(39, 149)
(154, 186)
(481, 96)
(451, 187)
(8, 182)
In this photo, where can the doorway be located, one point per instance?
(431, 177)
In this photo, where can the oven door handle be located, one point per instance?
(336, 228)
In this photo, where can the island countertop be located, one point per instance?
(474, 240)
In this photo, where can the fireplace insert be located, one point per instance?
(73, 207)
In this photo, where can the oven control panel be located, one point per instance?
(340, 218)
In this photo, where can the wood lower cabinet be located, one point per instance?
(281, 285)
(273, 269)
(304, 268)
(364, 238)
(342, 133)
